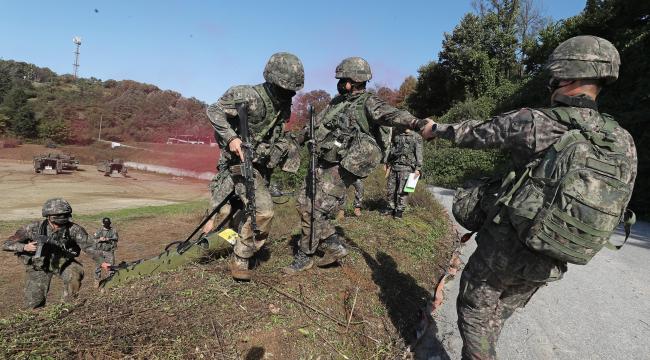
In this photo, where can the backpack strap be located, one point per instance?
(360, 109)
(271, 116)
(42, 230)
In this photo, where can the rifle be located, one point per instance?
(247, 170)
(312, 173)
(44, 245)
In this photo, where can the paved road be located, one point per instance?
(598, 311)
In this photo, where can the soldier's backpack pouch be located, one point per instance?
(473, 201)
(576, 195)
(363, 155)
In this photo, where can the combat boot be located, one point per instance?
(333, 249)
(386, 212)
(239, 269)
(398, 214)
(301, 262)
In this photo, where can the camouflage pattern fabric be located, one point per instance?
(61, 263)
(355, 69)
(395, 195)
(224, 119)
(404, 157)
(56, 206)
(358, 193)
(221, 186)
(37, 284)
(331, 189)
(285, 70)
(405, 151)
(107, 246)
(332, 179)
(525, 134)
(485, 301)
(584, 57)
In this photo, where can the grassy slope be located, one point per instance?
(199, 312)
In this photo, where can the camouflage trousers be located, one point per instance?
(37, 283)
(221, 186)
(331, 189)
(109, 257)
(395, 194)
(485, 301)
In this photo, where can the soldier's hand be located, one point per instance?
(235, 147)
(417, 173)
(427, 130)
(386, 170)
(30, 247)
(106, 266)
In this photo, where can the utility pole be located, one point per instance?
(101, 117)
(77, 41)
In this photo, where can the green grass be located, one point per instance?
(199, 310)
(124, 215)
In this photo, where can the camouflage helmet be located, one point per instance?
(285, 70)
(584, 57)
(56, 206)
(354, 68)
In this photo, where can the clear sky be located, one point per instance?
(200, 48)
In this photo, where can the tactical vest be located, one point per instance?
(266, 136)
(577, 193)
(344, 137)
(53, 259)
(265, 129)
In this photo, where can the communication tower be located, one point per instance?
(77, 41)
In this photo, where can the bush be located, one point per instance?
(448, 166)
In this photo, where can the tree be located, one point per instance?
(299, 110)
(406, 89)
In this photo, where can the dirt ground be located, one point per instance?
(89, 192)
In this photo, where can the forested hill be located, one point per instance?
(38, 104)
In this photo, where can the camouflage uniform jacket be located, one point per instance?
(111, 239)
(406, 151)
(266, 117)
(525, 134)
(342, 118)
(72, 238)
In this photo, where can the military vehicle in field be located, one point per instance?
(69, 161)
(49, 164)
(114, 167)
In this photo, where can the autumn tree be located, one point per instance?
(299, 110)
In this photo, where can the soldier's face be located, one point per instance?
(344, 86)
(58, 220)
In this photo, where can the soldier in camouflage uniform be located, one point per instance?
(63, 241)
(268, 106)
(503, 273)
(404, 158)
(106, 240)
(346, 135)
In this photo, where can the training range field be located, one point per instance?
(88, 191)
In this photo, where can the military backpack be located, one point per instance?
(577, 193)
(344, 136)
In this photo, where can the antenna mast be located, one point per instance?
(77, 41)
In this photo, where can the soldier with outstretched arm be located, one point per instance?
(267, 107)
(521, 245)
(347, 136)
(50, 247)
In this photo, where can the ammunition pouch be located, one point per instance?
(474, 201)
(362, 156)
